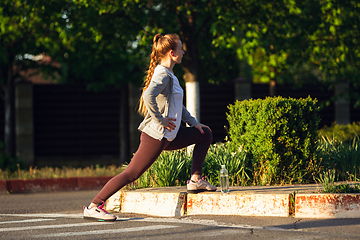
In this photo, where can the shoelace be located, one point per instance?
(101, 208)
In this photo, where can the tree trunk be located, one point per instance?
(193, 99)
(188, 35)
(9, 98)
(272, 88)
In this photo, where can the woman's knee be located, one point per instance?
(208, 135)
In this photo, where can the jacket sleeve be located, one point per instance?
(156, 86)
(186, 117)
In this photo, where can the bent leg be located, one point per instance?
(188, 136)
(148, 151)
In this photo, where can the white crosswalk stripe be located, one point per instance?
(52, 226)
(123, 230)
(27, 221)
(12, 226)
(44, 215)
(69, 225)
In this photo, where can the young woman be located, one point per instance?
(162, 106)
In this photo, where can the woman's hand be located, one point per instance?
(200, 126)
(170, 125)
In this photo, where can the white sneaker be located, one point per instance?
(199, 186)
(98, 213)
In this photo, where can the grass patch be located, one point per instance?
(343, 188)
(64, 172)
(327, 179)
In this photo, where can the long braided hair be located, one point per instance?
(162, 44)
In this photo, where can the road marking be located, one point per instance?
(27, 221)
(53, 226)
(161, 220)
(209, 223)
(110, 231)
(45, 215)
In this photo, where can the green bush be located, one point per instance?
(279, 135)
(341, 132)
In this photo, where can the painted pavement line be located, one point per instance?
(41, 215)
(163, 220)
(27, 221)
(110, 231)
(211, 223)
(53, 226)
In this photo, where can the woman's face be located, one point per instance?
(179, 52)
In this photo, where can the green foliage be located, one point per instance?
(280, 136)
(340, 132)
(235, 162)
(292, 41)
(104, 40)
(169, 168)
(64, 172)
(173, 168)
(342, 157)
(327, 179)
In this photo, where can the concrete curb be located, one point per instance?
(341, 205)
(174, 202)
(52, 184)
(239, 204)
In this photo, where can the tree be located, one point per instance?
(27, 28)
(334, 46)
(281, 40)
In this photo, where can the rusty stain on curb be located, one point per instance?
(239, 204)
(340, 205)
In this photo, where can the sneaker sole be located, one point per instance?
(200, 190)
(99, 219)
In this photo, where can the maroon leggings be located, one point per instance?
(150, 149)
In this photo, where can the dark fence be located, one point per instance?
(327, 112)
(214, 100)
(71, 121)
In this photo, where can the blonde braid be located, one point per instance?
(153, 62)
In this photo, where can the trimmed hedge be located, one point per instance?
(279, 134)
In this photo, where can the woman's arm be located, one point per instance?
(156, 86)
(186, 117)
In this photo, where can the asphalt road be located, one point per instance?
(59, 216)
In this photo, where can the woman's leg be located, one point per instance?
(148, 151)
(188, 136)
